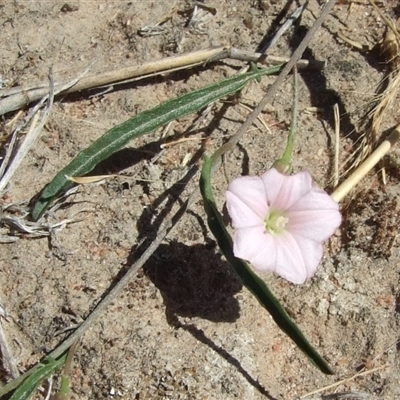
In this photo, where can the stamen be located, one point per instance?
(275, 222)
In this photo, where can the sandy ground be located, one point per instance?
(185, 328)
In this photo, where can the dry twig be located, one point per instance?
(15, 98)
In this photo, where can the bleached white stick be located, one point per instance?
(345, 187)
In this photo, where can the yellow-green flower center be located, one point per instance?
(275, 222)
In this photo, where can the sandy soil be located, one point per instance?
(185, 328)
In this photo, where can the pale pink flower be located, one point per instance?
(280, 222)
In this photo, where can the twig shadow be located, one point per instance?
(201, 337)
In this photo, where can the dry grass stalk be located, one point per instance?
(362, 372)
(15, 98)
(16, 218)
(13, 158)
(383, 101)
(389, 48)
(336, 384)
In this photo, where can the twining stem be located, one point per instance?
(65, 393)
(284, 164)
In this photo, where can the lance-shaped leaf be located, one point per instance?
(28, 387)
(145, 122)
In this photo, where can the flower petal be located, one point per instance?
(294, 259)
(253, 243)
(315, 199)
(311, 255)
(316, 225)
(290, 262)
(283, 191)
(246, 201)
(315, 216)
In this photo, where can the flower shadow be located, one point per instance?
(194, 282)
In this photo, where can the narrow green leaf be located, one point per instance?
(252, 282)
(145, 122)
(28, 387)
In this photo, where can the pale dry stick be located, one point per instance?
(30, 137)
(333, 385)
(125, 73)
(364, 2)
(15, 118)
(165, 130)
(245, 55)
(15, 98)
(313, 110)
(84, 180)
(337, 141)
(11, 146)
(10, 150)
(344, 188)
(13, 141)
(49, 388)
(347, 396)
(14, 136)
(353, 43)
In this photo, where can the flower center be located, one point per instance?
(275, 222)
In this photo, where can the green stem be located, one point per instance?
(284, 164)
(65, 393)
